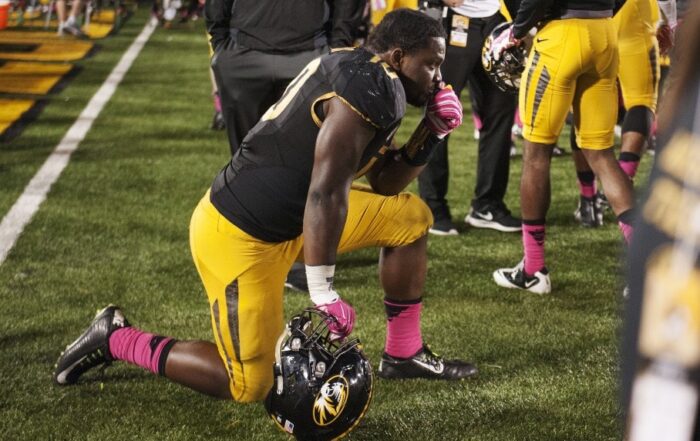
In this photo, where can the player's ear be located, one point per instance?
(396, 56)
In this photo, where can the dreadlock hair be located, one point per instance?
(406, 29)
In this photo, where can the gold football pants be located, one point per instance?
(639, 53)
(573, 65)
(244, 277)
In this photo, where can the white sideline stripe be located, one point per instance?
(35, 192)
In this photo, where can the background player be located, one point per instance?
(638, 76)
(573, 63)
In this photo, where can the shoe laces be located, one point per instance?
(94, 358)
(431, 357)
(519, 275)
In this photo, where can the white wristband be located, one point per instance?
(320, 281)
(668, 13)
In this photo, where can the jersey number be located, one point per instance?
(291, 90)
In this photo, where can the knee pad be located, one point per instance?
(638, 119)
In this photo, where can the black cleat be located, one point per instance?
(217, 122)
(588, 212)
(601, 201)
(91, 348)
(425, 364)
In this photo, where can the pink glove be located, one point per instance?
(343, 314)
(505, 40)
(664, 34)
(443, 113)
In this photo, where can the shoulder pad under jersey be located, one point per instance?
(371, 88)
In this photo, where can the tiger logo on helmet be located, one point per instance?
(331, 400)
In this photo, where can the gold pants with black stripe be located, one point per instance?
(639, 53)
(244, 277)
(573, 65)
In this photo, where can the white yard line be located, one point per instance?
(35, 192)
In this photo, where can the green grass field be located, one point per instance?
(114, 229)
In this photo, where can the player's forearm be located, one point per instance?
(396, 171)
(324, 219)
(393, 175)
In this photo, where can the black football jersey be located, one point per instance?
(533, 12)
(263, 189)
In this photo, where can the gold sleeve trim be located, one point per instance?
(387, 69)
(342, 49)
(362, 115)
(323, 97)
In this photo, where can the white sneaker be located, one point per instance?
(538, 283)
(495, 218)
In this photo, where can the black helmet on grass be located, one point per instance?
(322, 387)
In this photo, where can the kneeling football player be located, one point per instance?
(289, 189)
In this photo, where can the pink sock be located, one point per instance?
(403, 337)
(627, 231)
(477, 121)
(140, 348)
(217, 102)
(586, 184)
(587, 189)
(533, 243)
(629, 167)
